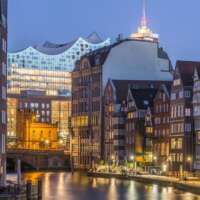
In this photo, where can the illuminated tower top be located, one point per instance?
(143, 32)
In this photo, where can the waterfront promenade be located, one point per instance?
(190, 184)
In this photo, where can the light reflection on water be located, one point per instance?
(65, 186)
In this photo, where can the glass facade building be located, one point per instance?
(48, 67)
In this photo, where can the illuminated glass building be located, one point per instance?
(47, 67)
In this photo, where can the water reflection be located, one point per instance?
(65, 186)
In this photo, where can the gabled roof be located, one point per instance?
(122, 86)
(121, 89)
(186, 70)
(166, 88)
(143, 97)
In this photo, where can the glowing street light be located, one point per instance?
(112, 157)
(155, 158)
(164, 167)
(132, 158)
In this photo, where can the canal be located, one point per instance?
(65, 186)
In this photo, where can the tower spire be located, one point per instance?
(144, 15)
(144, 33)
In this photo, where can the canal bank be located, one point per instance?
(188, 186)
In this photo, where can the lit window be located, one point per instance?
(173, 143)
(179, 143)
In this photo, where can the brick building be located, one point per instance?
(89, 80)
(181, 122)
(196, 117)
(138, 142)
(161, 125)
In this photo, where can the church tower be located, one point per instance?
(143, 32)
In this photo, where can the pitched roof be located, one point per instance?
(144, 97)
(122, 86)
(186, 70)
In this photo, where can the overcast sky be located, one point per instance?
(35, 21)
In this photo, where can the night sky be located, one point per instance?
(35, 21)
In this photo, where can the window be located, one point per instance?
(3, 144)
(180, 143)
(187, 94)
(4, 45)
(173, 96)
(177, 82)
(3, 93)
(187, 127)
(4, 72)
(43, 105)
(173, 156)
(157, 120)
(3, 117)
(173, 143)
(181, 94)
(198, 138)
(187, 112)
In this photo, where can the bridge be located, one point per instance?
(40, 159)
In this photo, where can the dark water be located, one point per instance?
(65, 186)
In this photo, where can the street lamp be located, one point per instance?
(132, 157)
(155, 158)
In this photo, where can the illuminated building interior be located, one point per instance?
(33, 135)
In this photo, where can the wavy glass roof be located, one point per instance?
(50, 56)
